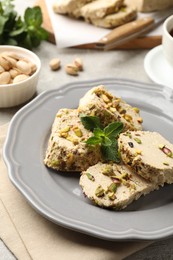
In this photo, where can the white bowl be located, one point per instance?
(17, 93)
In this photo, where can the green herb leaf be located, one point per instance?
(26, 32)
(113, 129)
(98, 132)
(106, 137)
(90, 122)
(33, 16)
(106, 141)
(111, 153)
(93, 140)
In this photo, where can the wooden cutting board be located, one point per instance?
(139, 43)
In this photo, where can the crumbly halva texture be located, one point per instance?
(150, 5)
(70, 7)
(101, 8)
(124, 15)
(102, 13)
(99, 102)
(149, 154)
(66, 149)
(113, 186)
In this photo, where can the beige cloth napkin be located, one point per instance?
(30, 236)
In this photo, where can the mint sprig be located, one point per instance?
(106, 138)
(26, 31)
(90, 122)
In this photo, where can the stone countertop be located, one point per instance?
(97, 64)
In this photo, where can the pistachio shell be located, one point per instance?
(71, 69)
(55, 64)
(5, 63)
(20, 78)
(24, 67)
(5, 78)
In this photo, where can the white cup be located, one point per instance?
(167, 40)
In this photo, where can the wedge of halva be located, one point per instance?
(66, 149)
(122, 16)
(149, 154)
(100, 102)
(113, 186)
(71, 7)
(101, 8)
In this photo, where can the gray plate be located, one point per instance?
(58, 196)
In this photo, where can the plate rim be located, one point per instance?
(130, 234)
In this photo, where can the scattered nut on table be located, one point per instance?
(55, 64)
(75, 67)
(78, 63)
(15, 68)
(71, 69)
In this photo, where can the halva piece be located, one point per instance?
(113, 186)
(148, 154)
(101, 8)
(124, 15)
(70, 7)
(67, 150)
(99, 102)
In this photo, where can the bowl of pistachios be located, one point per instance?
(19, 73)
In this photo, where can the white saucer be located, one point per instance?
(157, 68)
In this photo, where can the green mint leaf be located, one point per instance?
(42, 33)
(106, 141)
(33, 16)
(90, 122)
(98, 132)
(93, 140)
(113, 129)
(17, 32)
(111, 153)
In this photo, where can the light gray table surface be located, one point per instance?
(97, 64)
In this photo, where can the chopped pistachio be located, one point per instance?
(128, 134)
(92, 113)
(59, 115)
(78, 132)
(161, 146)
(138, 152)
(99, 192)
(121, 111)
(167, 151)
(128, 118)
(111, 196)
(55, 163)
(72, 139)
(113, 109)
(70, 158)
(64, 135)
(112, 187)
(105, 98)
(138, 140)
(125, 176)
(140, 120)
(90, 177)
(108, 171)
(136, 109)
(65, 129)
(132, 186)
(166, 163)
